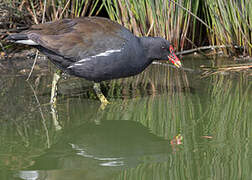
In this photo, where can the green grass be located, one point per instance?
(186, 23)
(156, 18)
(231, 22)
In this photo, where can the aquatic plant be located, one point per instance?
(231, 23)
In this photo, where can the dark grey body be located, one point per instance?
(94, 48)
(127, 62)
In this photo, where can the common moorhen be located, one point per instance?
(95, 48)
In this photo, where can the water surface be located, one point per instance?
(130, 138)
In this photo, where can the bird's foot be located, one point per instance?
(104, 103)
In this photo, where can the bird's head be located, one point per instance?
(161, 49)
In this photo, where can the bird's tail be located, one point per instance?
(16, 37)
(20, 38)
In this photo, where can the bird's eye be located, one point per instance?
(171, 49)
(164, 48)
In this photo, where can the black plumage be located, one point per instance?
(95, 48)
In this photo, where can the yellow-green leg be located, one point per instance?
(102, 98)
(56, 78)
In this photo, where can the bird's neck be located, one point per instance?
(148, 44)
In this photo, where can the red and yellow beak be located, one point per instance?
(174, 59)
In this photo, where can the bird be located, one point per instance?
(94, 48)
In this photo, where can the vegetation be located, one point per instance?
(186, 23)
(231, 22)
(157, 18)
(161, 98)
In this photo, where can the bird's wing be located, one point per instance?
(79, 38)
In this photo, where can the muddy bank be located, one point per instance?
(21, 63)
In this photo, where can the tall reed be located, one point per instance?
(156, 18)
(231, 22)
(53, 10)
(223, 22)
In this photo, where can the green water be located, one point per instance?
(131, 137)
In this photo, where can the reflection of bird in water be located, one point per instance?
(112, 143)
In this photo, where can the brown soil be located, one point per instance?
(21, 63)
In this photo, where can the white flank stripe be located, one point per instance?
(28, 42)
(83, 60)
(106, 53)
(77, 64)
